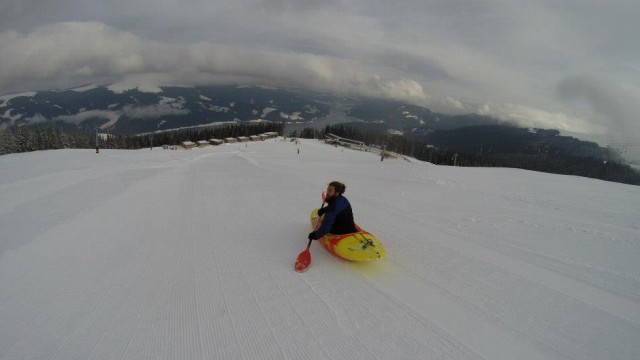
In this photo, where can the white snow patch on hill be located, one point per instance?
(5, 98)
(85, 88)
(166, 100)
(409, 115)
(189, 255)
(172, 102)
(292, 117)
(310, 109)
(14, 117)
(267, 110)
(81, 116)
(219, 109)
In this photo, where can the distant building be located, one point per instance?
(216, 141)
(203, 143)
(243, 139)
(255, 138)
(269, 135)
(188, 145)
(230, 140)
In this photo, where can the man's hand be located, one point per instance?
(312, 236)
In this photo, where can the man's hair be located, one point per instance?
(338, 186)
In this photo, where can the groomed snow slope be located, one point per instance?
(189, 255)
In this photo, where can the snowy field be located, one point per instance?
(189, 255)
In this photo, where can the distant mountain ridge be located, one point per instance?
(469, 133)
(134, 111)
(405, 118)
(500, 139)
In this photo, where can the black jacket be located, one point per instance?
(338, 218)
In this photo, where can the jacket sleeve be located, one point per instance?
(322, 211)
(327, 223)
(330, 216)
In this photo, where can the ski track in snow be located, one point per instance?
(189, 255)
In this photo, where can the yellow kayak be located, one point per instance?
(359, 246)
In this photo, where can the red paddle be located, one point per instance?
(304, 259)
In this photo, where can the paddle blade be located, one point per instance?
(303, 261)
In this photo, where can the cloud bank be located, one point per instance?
(133, 112)
(516, 60)
(78, 52)
(617, 108)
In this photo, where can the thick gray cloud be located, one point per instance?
(515, 60)
(617, 109)
(80, 51)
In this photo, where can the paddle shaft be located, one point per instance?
(310, 240)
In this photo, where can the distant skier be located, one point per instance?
(338, 216)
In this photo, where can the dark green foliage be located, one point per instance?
(45, 137)
(390, 114)
(502, 139)
(308, 133)
(40, 137)
(548, 161)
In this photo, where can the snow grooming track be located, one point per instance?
(188, 255)
(364, 312)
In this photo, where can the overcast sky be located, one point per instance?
(570, 65)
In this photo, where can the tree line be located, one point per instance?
(556, 163)
(17, 139)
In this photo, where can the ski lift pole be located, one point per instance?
(97, 145)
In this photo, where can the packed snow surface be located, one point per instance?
(160, 254)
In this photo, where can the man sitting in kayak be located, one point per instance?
(338, 216)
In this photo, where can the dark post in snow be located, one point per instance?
(384, 148)
(97, 145)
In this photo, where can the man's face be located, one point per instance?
(331, 192)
